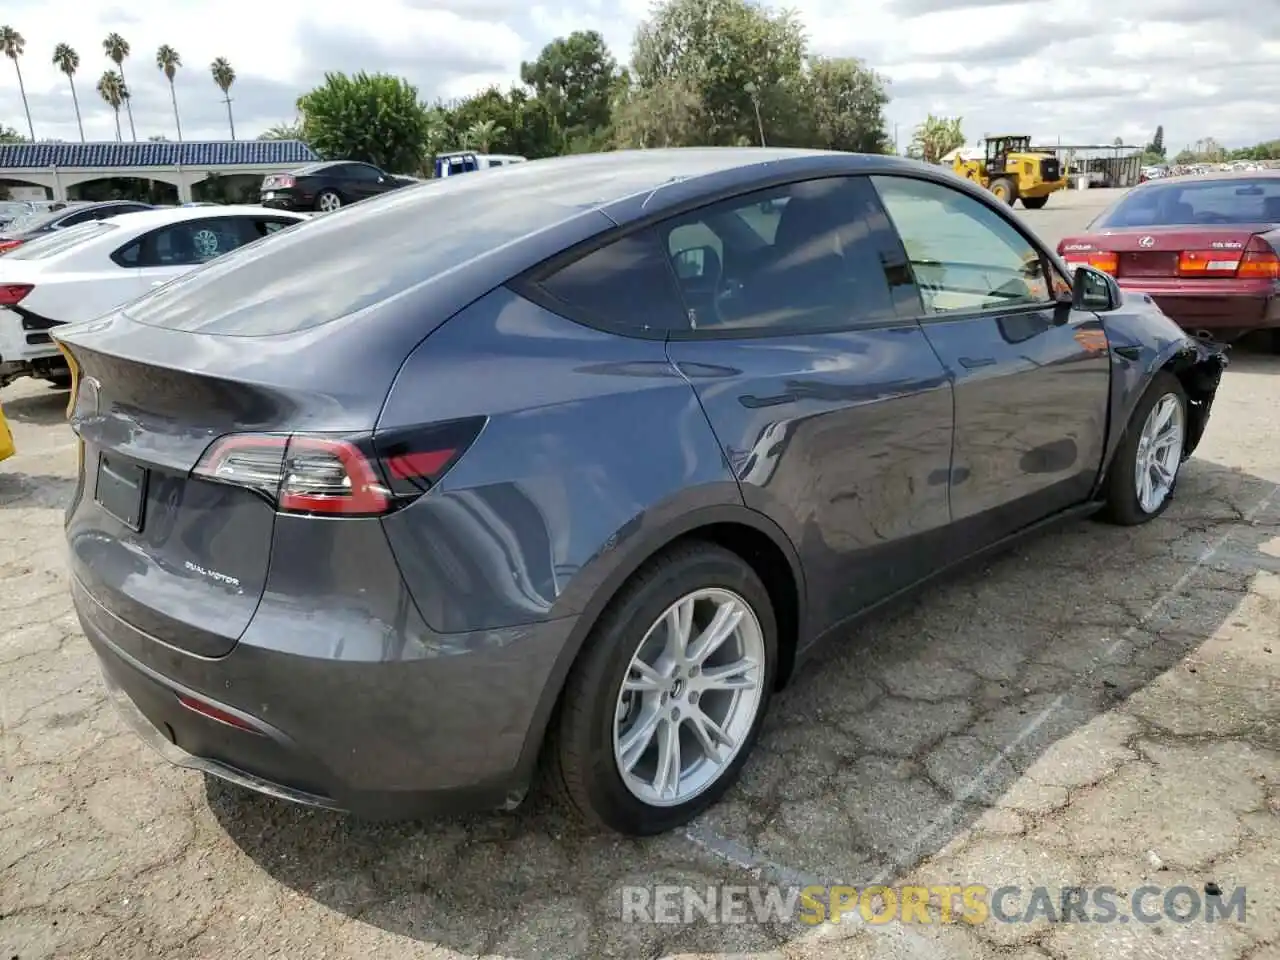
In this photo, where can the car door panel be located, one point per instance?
(1031, 415)
(834, 414)
(1031, 377)
(844, 440)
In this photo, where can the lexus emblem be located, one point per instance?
(1146, 241)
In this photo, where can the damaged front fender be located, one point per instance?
(1143, 342)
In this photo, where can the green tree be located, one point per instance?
(734, 56)
(14, 45)
(283, 131)
(664, 114)
(10, 135)
(842, 105)
(936, 137)
(481, 134)
(116, 48)
(224, 75)
(1156, 146)
(168, 60)
(112, 89)
(67, 60)
(525, 125)
(376, 118)
(576, 77)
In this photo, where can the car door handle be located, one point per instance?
(974, 362)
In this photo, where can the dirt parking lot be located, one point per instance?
(1101, 707)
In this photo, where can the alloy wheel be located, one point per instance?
(690, 697)
(330, 202)
(1159, 453)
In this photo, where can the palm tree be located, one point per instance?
(112, 89)
(68, 61)
(116, 48)
(168, 60)
(13, 44)
(224, 76)
(482, 133)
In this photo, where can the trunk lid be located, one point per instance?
(182, 558)
(1154, 252)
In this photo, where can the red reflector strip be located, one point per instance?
(411, 466)
(216, 713)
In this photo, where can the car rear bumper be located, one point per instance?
(1213, 309)
(288, 202)
(442, 732)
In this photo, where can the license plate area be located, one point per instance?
(269, 195)
(121, 490)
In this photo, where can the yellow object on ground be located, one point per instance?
(6, 438)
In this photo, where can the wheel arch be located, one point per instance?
(751, 535)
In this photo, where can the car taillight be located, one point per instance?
(1103, 260)
(11, 294)
(7, 245)
(338, 476)
(1260, 261)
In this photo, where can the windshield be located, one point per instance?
(1197, 203)
(59, 241)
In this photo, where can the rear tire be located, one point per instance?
(1034, 203)
(1124, 506)
(328, 201)
(587, 750)
(1005, 190)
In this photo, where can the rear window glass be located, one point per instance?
(1204, 202)
(60, 241)
(348, 261)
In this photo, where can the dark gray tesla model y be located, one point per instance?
(567, 464)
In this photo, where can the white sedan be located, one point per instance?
(87, 270)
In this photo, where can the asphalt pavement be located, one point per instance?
(1099, 708)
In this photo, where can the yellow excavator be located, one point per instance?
(1011, 170)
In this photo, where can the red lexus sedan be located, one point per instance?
(1204, 247)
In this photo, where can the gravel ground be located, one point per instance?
(1100, 707)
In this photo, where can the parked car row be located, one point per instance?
(573, 465)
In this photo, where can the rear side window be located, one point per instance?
(189, 243)
(60, 241)
(625, 286)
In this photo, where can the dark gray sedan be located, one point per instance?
(570, 463)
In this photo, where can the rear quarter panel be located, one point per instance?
(593, 443)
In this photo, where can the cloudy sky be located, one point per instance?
(1068, 70)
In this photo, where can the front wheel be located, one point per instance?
(1145, 469)
(665, 702)
(1034, 203)
(1004, 190)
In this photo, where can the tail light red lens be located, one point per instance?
(1104, 260)
(12, 294)
(338, 476)
(7, 245)
(1260, 261)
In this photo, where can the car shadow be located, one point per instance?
(38, 490)
(39, 409)
(882, 750)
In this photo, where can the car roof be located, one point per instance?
(146, 219)
(1211, 177)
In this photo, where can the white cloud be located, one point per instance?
(1087, 71)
